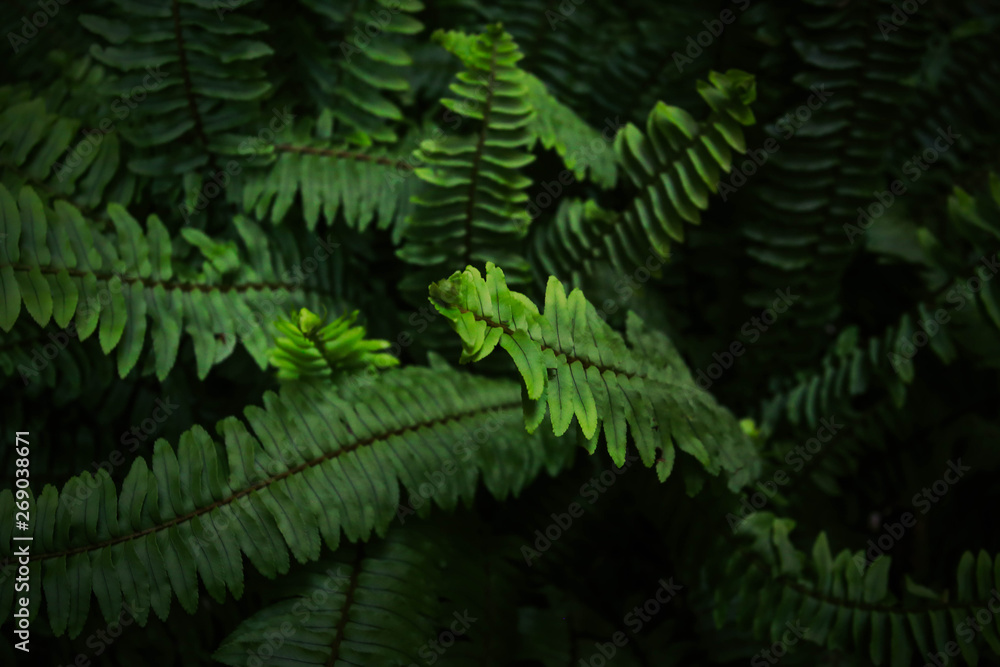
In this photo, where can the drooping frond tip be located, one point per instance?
(575, 365)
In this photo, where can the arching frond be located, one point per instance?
(314, 464)
(574, 365)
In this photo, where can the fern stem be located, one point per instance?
(480, 142)
(513, 406)
(352, 586)
(166, 284)
(785, 580)
(347, 155)
(586, 363)
(199, 127)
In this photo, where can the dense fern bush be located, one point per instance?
(444, 332)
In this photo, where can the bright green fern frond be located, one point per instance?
(313, 349)
(677, 165)
(312, 464)
(575, 365)
(472, 206)
(678, 162)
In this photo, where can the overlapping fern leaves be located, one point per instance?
(204, 74)
(849, 75)
(350, 602)
(314, 464)
(574, 365)
(90, 245)
(63, 268)
(44, 149)
(846, 602)
(329, 178)
(360, 81)
(473, 205)
(676, 166)
(390, 601)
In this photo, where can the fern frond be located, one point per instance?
(631, 55)
(582, 148)
(974, 234)
(800, 205)
(42, 149)
(557, 50)
(313, 349)
(317, 463)
(201, 77)
(327, 178)
(574, 365)
(360, 79)
(472, 205)
(32, 359)
(678, 162)
(62, 269)
(846, 601)
(579, 239)
(367, 604)
(851, 368)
